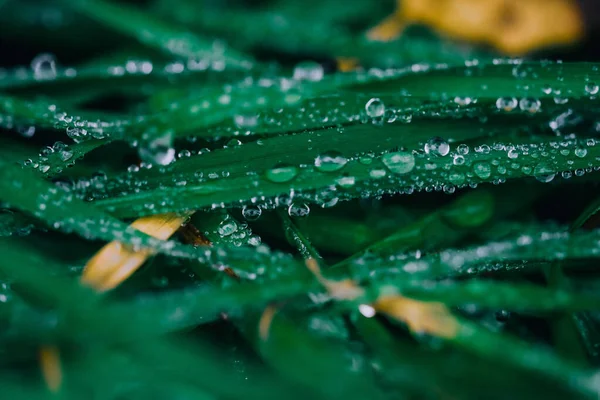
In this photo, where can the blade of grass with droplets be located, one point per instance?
(275, 167)
(528, 246)
(153, 313)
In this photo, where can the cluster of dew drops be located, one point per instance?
(160, 150)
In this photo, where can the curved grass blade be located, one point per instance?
(277, 166)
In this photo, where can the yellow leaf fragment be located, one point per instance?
(345, 289)
(265, 322)
(50, 365)
(515, 27)
(115, 262)
(425, 317)
(108, 268)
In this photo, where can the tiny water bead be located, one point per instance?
(375, 108)
(437, 146)
(298, 210)
(251, 213)
(281, 173)
(507, 104)
(227, 227)
(158, 150)
(399, 162)
(458, 160)
(309, 71)
(346, 181)
(44, 66)
(330, 161)
(530, 105)
(543, 172)
(462, 149)
(246, 120)
(482, 169)
(591, 88)
(377, 173)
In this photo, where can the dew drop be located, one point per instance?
(346, 181)
(482, 169)
(298, 210)
(462, 149)
(437, 146)
(44, 66)
(399, 162)
(366, 310)
(227, 227)
(251, 213)
(530, 105)
(246, 120)
(506, 103)
(543, 172)
(456, 178)
(580, 152)
(281, 173)
(591, 88)
(309, 71)
(377, 173)
(65, 154)
(330, 161)
(159, 150)
(458, 160)
(375, 108)
(367, 159)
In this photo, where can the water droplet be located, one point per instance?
(458, 160)
(65, 154)
(591, 88)
(26, 131)
(77, 134)
(561, 100)
(463, 101)
(158, 150)
(377, 173)
(543, 172)
(482, 169)
(298, 210)
(547, 89)
(399, 162)
(513, 153)
(281, 173)
(346, 181)
(246, 120)
(327, 197)
(309, 71)
(375, 108)
(462, 149)
(530, 104)
(437, 146)
(506, 103)
(367, 159)
(44, 66)
(227, 227)
(456, 178)
(330, 161)
(366, 310)
(251, 213)
(580, 152)
(184, 153)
